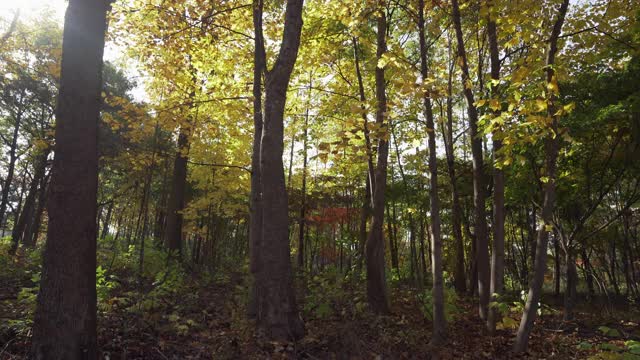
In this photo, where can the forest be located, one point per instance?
(320, 179)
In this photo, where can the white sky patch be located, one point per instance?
(30, 9)
(33, 9)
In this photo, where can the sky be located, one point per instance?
(31, 8)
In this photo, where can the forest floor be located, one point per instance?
(204, 318)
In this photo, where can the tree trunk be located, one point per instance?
(551, 146)
(439, 321)
(27, 213)
(173, 232)
(277, 309)
(570, 286)
(460, 281)
(376, 278)
(65, 318)
(497, 255)
(556, 265)
(255, 203)
(303, 206)
(107, 220)
(33, 229)
(6, 187)
(479, 191)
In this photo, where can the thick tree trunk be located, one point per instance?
(479, 190)
(551, 146)
(376, 278)
(277, 309)
(173, 232)
(497, 255)
(65, 318)
(439, 321)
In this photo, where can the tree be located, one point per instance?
(277, 309)
(65, 319)
(497, 255)
(479, 191)
(439, 322)
(551, 149)
(376, 278)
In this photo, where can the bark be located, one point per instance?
(556, 266)
(370, 178)
(173, 232)
(460, 281)
(33, 229)
(6, 186)
(439, 321)
(303, 206)
(479, 189)
(277, 309)
(376, 278)
(551, 147)
(29, 207)
(107, 221)
(255, 203)
(364, 216)
(497, 255)
(65, 318)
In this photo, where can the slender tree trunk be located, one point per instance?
(376, 278)
(255, 203)
(6, 187)
(439, 321)
(277, 309)
(33, 230)
(497, 255)
(570, 286)
(556, 266)
(65, 318)
(303, 206)
(587, 269)
(551, 146)
(370, 178)
(460, 281)
(479, 190)
(27, 213)
(107, 220)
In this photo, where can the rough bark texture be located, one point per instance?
(439, 321)
(277, 309)
(497, 255)
(255, 203)
(479, 192)
(173, 233)
(65, 319)
(376, 277)
(551, 147)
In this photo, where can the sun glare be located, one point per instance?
(32, 8)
